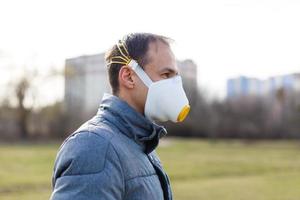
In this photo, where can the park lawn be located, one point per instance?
(233, 170)
(198, 169)
(25, 171)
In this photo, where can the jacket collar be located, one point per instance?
(130, 122)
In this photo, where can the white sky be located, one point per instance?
(227, 38)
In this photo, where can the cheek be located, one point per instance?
(139, 86)
(141, 91)
(154, 76)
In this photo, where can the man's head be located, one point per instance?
(153, 53)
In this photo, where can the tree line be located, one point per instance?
(275, 116)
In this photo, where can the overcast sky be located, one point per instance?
(225, 38)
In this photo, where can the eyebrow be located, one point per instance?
(170, 70)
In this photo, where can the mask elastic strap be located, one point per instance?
(121, 44)
(140, 72)
(124, 58)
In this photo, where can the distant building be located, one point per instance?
(86, 81)
(246, 86)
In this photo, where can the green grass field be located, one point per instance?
(199, 169)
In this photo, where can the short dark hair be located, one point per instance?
(137, 45)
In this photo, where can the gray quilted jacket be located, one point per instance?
(112, 157)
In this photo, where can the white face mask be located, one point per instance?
(166, 99)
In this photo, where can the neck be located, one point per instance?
(128, 99)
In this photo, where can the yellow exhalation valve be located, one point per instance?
(183, 113)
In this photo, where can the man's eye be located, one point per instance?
(165, 75)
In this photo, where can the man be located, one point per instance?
(112, 156)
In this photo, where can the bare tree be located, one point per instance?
(21, 91)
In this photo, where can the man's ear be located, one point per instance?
(125, 77)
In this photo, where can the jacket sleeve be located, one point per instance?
(87, 167)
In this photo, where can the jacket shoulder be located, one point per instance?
(84, 152)
(87, 162)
